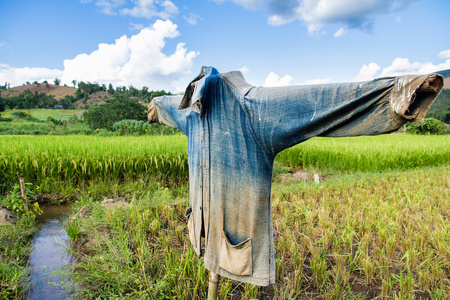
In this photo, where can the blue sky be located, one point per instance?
(163, 44)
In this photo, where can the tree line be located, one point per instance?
(30, 100)
(440, 109)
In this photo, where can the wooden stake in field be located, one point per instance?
(24, 195)
(213, 285)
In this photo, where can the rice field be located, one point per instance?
(382, 236)
(377, 227)
(377, 236)
(369, 153)
(76, 159)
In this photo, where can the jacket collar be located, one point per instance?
(195, 91)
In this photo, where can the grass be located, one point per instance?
(14, 251)
(357, 236)
(43, 114)
(19, 127)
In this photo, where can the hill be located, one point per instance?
(440, 109)
(95, 98)
(98, 97)
(446, 75)
(50, 89)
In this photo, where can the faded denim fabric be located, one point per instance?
(234, 132)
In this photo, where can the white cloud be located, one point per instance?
(318, 13)
(339, 33)
(4, 46)
(163, 9)
(244, 70)
(402, 66)
(148, 9)
(19, 76)
(314, 30)
(367, 72)
(192, 19)
(275, 80)
(444, 54)
(318, 81)
(249, 4)
(108, 6)
(138, 27)
(138, 60)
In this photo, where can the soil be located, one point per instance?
(53, 198)
(300, 175)
(447, 83)
(58, 91)
(84, 245)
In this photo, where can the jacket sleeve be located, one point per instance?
(165, 110)
(284, 116)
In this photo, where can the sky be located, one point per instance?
(162, 44)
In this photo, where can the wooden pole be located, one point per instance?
(316, 178)
(24, 195)
(213, 285)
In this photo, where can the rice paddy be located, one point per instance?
(376, 227)
(75, 159)
(369, 153)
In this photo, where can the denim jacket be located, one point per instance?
(234, 132)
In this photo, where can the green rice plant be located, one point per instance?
(387, 228)
(368, 153)
(225, 288)
(78, 159)
(143, 251)
(349, 233)
(250, 292)
(368, 268)
(319, 270)
(140, 252)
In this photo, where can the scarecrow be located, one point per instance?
(234, 132)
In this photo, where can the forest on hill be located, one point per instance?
(53, 96)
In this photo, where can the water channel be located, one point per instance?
(49, 254)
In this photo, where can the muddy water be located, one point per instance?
(49, 254)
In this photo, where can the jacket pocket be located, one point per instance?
(191, 229)
(236, 259)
